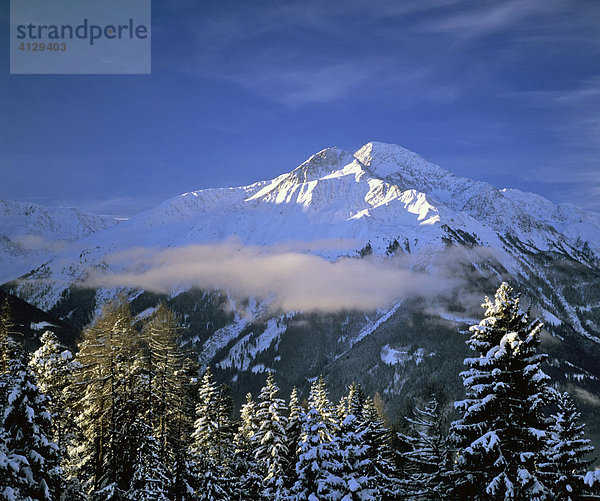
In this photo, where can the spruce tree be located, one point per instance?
(318, 464)
(565, 462)
(500, 434)
(361, 420)
(212, 447)
(30, 456)
(428, 458)
(354, 454)
(8, 335)
(245, 469)
(53, 367)
(270, 438)
(150, 478)
(181, 416)
(292, 433)
(213, 429)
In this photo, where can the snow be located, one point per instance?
(550, 318)
(31, 235)
(391, 356)
(378, 194)
(592, 477)
(221, 338)
(371, 326)
(457, 319)
(37, 326)
(146, 313)
(245, 351)
(260, 368)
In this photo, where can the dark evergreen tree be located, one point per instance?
(500, 434)
(566, 452)
(292, 433)
(353, 403)
(428, 457)
(378, 437)
(8, 336)
(150, 477)
(181, 417)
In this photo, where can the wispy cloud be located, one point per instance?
(587, 91)
(305, 85)
(290, 280)
(476, 19)
(302, 53)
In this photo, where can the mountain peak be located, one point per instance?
(321, 164)
(385, 160)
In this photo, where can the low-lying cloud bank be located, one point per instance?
(290, 280)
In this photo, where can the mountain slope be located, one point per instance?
(31, 235)
(383, 200)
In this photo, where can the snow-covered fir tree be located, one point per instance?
(150, 478)
(213, 430)
(28, 456)
(182, 413)
(319, 399)
(53, 367)
(566, 452)
(245, 469)
(501, 432)
(353, 403)
(428, 458)
(249, 424)
(271, 448)
(213, 440)
(318, 465)
(356, 468)
(292, 433)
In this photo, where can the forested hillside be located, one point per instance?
(128, 417)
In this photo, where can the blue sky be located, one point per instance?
(502, 91)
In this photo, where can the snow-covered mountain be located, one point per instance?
(31, 234)
(383, 199)
(380, 195)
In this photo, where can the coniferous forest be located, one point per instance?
(131, 416)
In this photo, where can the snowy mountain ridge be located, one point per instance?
(377, 196)
(384, 200)
(31, 234)
(53, 224)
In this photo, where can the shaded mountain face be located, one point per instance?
(31, 322)
(374, 212)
